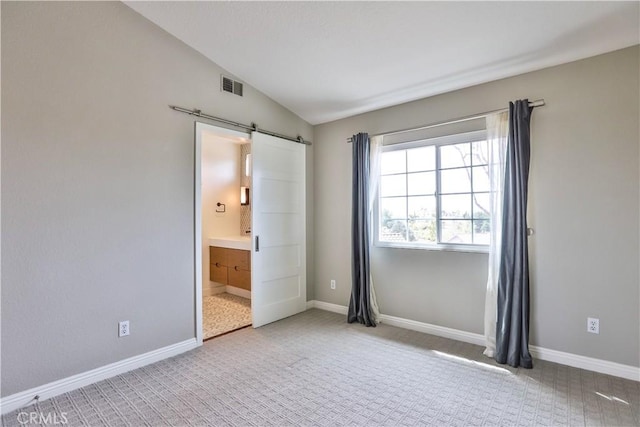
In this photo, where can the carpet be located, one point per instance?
(224, 313)
(314, 369)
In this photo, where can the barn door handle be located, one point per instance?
(257, 243)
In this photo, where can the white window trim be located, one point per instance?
(479, 135)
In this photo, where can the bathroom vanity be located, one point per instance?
(230, 261)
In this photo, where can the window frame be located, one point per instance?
(457, 138)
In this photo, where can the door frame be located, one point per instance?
(199, 128)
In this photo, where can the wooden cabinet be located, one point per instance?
(239, 268)
(239, 258)
(230, 267)
(218, 265)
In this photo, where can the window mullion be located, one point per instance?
(406, 193)
(438, 223)
(471, 190)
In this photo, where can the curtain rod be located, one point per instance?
(536, 103)
(253, 127)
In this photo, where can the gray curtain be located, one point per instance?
(512, 331)
(360, 303)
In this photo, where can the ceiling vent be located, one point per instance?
(230, 85)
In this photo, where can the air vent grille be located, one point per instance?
(237, 88)
(227, 84)
(231, 86)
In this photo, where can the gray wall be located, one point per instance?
(97, 184)
(583, 204)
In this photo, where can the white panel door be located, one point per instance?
(278, 259)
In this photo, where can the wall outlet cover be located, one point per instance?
(123, 328)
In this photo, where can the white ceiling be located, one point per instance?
(329, 60)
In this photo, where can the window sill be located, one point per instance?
(440, 247)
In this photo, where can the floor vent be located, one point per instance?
(231, 86)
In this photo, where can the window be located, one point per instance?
(435, 193)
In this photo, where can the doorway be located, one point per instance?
(223, 279)
(260, 250)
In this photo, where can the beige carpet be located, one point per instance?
(224, 313)
(314, 369)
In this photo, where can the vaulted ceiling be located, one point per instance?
(329, 60)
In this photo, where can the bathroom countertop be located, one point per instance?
(232, 242)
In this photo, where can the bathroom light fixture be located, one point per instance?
(247, 165)
(244, 196)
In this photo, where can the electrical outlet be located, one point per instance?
(123, 328)
(593, 325)
(333, 284)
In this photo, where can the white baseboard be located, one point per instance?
(213, 288)
(327, 306)
(47, 391)
(427, 328)
(238, 291)
(569, 359)
(584, 362)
